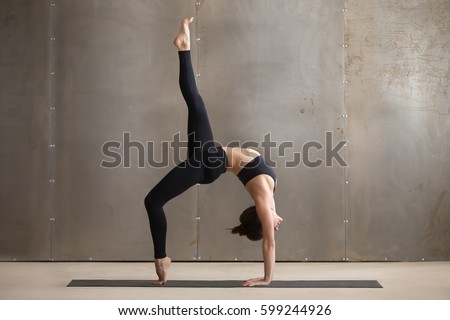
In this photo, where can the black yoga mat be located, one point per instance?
(228, 283)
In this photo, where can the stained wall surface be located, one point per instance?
(397, 67)
(80, 78)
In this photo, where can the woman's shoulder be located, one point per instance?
(260, 187)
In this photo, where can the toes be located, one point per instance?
(188, 20)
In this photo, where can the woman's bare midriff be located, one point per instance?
(237, 158)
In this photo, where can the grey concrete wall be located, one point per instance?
(397, 67)
(261, 73)
(77, 74)
(24, 122)
(117, 72)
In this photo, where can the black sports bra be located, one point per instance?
(254, 168)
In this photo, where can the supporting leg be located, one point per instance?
(178, 180)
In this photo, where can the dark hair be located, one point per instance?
(250, 225)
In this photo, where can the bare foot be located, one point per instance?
(162, 267)
(182, 40)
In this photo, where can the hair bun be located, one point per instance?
(237, 229)
(250, 225)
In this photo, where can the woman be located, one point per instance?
(205, 163)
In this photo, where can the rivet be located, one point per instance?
(306, 259)
(344, 46)
(344, 10)
(199, 258)
(53, 72)
(198, 39)
(345, 81)
(51, 180)
(423, 259)
(52, 5)
(197, 218)
(90, 259)
(346, 182)
(194, 258)
(235, 259)
(198, 74)
(385, 259)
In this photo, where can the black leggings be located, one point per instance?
(205, 162)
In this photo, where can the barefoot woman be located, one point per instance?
(205, 163)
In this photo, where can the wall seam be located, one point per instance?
(197, 63)
(344, 128)
(51, 120)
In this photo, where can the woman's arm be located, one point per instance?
(265, 213)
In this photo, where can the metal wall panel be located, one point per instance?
(397, 66)
(24, 108)
(274, 67)
(117, 72)
(264, 66)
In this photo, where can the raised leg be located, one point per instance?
(183, 40)
(199, 129)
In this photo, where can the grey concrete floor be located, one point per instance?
(48, 280)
